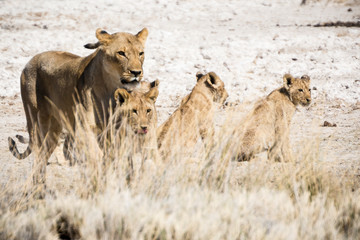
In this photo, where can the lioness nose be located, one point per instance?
(135, 73)
(144, 127)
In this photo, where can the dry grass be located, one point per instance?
(208, 197)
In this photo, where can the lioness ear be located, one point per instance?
(288, 80)
(142, 36)
(198, 76)
(121, 96)
(92, 45)
(152, 94)
(154, 83)
(103, 37)
(306, 78)
(213, 80)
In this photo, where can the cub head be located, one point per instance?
(215, 85)
(136, 110)
(123, 56)
(298, 89)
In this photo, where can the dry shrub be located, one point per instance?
(203, 197)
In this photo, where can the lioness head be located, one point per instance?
(123, 56)
(298, 89)
(136, 110)
(215, 84)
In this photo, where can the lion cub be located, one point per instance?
(267, 126)
(134, 119)
(194, 117)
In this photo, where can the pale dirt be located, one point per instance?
(249, 44)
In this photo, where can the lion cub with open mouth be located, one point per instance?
(134, 120)
(267, 126)
(194, 117)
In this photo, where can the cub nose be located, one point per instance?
(144, 129)
(135, 73)
(308, 100)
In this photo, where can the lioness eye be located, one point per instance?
(149, 110)
(121, 53)
(141, 53)
(135, 111)
(300, 90)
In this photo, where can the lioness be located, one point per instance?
(52, 83)
(267, 126)
(194, 117)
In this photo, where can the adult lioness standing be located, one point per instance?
(52, 83)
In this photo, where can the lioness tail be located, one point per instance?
(13, 149)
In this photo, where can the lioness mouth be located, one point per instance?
(129, 82)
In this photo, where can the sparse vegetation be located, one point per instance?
(209, 197)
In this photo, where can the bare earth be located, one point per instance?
(249, 44)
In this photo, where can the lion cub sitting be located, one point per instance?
(134, 118)
(267, 126)
(194, 117)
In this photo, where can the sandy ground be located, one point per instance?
(249, 44)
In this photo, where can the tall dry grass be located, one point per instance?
(202, 197)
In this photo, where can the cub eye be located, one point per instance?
(141, 53)
(148, 110)
(300, 90)
(309, 89)
(121, 53)
(134, 111)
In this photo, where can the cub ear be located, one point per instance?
(103, 37)
(213, 80)
(288, 80)
(152, 94)
(121, 96)
(199, 75)
(154, 83)
(306, 78)
(142, 36)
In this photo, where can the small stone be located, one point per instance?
(328, 124)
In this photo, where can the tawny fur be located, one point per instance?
(266, 128)
(52, 83)
(135, 117)
(194, 118)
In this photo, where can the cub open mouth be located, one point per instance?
(141, 132)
